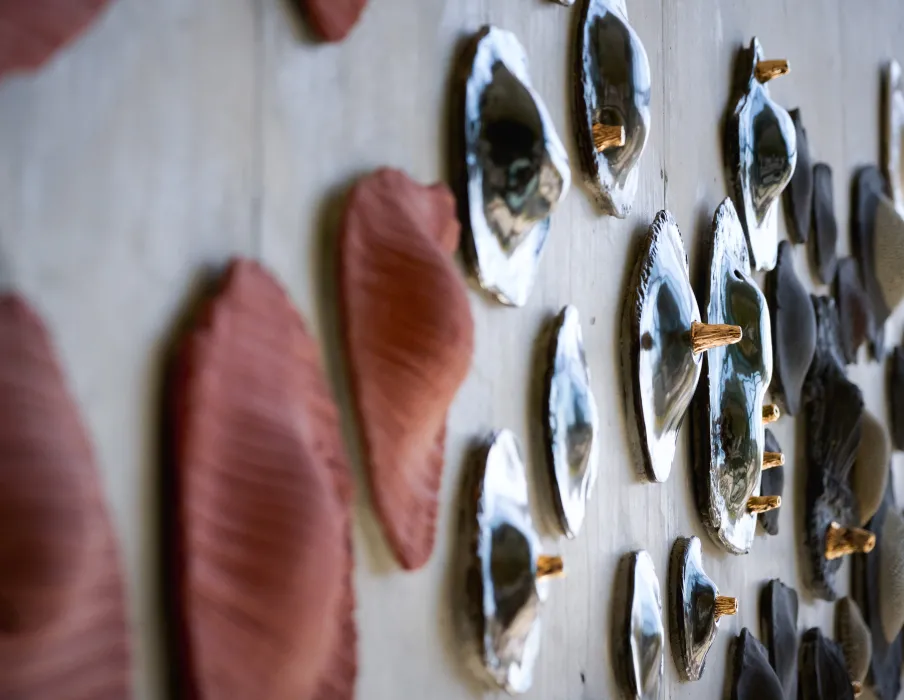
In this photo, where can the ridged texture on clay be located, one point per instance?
(264, 497)
(332, 20)
(823, 674)
(891, 575)
(753, 677)
(870, 475)
(778, 622)
(854, 637)
(63, 631)
(409, 338)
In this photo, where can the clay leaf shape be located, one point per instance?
(888, 242)
(825, 226)
(516, 168)
(729, 402)
(63, 626)
(798, 195)
(823, 674)
(854, 309)
(854, 637)
(640, 635)
(409, 339)
(572, 423)
(772, 483)
(871, 469)
(896, 394)
(333, 20)
(752, 676)
(613, 91)
(778, 621)
(761, 153)
(662, 367)
(264, 558)
(891, 575)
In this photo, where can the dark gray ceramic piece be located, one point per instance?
(823, 674)
(728, 406)
(888, 242)
(761, 154)
(891, 574)
(613, 89)
(854, 637)
(798, 195)
(517, 170)
(793, 330)
(752, 676)
(778, 622)
(772, 484)
(825, 226)
(870, 475)
(854, 309)
(572, 423)
(867, 190)
(640, 640)
(662, 368)
(896, 394)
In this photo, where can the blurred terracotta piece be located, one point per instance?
(333, 19)
(264, 496)
(409, 338)
(31, 31)
(63, 632)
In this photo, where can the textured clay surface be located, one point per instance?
(333, 19)
(772, 483)
(264, 497)
(409, 339)
(825, 225)
(778, 622)
(798, 195)
(63, 631)
(752, 676)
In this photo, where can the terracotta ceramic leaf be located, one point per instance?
(409, 338)
(333, 19)
(263, 493)
(63, 631)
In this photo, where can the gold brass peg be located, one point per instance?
(550, 567)
(841, 541)
(606, 136)
(771, 460)
(771, 413)
(767, 70)
(706, 336)
(763, 504)
(725, 606)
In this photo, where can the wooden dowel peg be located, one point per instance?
(706, 336)
(550, 567)
(771, 460)
(857, 687)
(767, 70)
(763, 504)
(841, 541)
(725, 606)
(607, 136)
(771, 413)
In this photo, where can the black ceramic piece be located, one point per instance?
(834, 412)
(772, 484)
(868, 188)
(778, 623)
(854, 309)
(613, 89)
(798, 195)
(825, 226)
(823, 673)
(896, 394)
(752, 676)
(639, 632)
(793, 330)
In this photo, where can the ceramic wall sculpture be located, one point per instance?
(891, 574)
(888, 246)
(639, 632)
(823, 674)
(752, 676)
(867, 189)
(772, 484)
(667, 340)
(798, 194)
(869, 477)
(778, 622)
(515, 169)
(892, 126)
(63, 619)
(834, 411)
(332, 20)
(572, 423)
(854, 309)
(854, 637)
(507, 581)
(695, 608)
(761, 153)
(793, 330)
(728, 414)
(250, 398)
(409, 339)
(825, 226)
(612, 103)
(896, 394)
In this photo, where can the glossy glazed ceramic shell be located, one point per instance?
(613, 88)
(517, 170)
(640, 636)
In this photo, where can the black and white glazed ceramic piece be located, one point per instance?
(834, 412)
(772, 484)
(572, 423)
(869, 478)
(612, 89)
(662, 368)
(793, 330)
(640, 635)
(892, 126)
(867, 190)
(778, 622)
(896, 394)
(761, 154)
(752, 676)
(798, 196)
(854, 309)
(823, 673)
(825, 225)
(516, 168)
(854, 637)
(728, 407)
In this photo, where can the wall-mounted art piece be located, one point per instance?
(855, 309)
(728, 413)
(332, 20)
(612, 103)
(515, 169)
(639, 633)
(695, 607)
(63, 616)
(793, 330)
(507, 581)
(409, 339)
(896, 396)
(263, 558)
(854, 637)
(798, 196)
(888, 244)
(823, 673)
(663, 356)
(834, 413)
(761, 152)
(778, 622)
(868, 187)
(869, 476)
(772, 482)
(572, 426)
(892, 127)
(752, 678)
(891, 574)
(825, 225)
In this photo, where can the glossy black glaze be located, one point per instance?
(612, 88)
(854, 637)
(834, 411)
(728, 405)
(771, 484)
(793, 330)
(640, 635)
(778, 623)
(662, 369)
(825, 226)
(823, 674)
(868, 187)
(516, 169)
(798, 196)
(752, 676)
(761, 154)
(854, 309)
(896, 396)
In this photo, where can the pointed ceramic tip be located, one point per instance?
(771, 413)
(725, 606)
(606, 136)
(857, 687)
(763, 504)
(771, 460)
(767, 70)
(841, 541)
(550, 567)
(706, 336)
